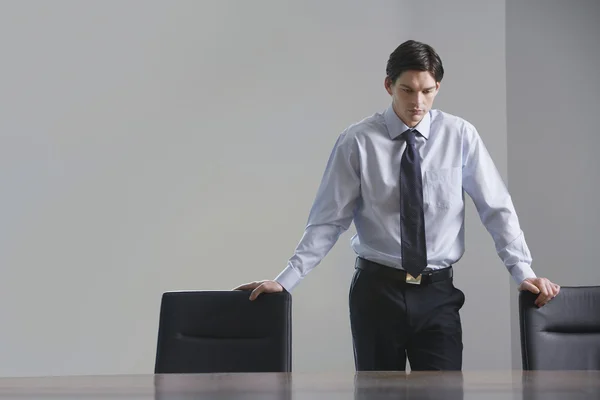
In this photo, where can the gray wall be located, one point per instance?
(553, 94)
(148, 146)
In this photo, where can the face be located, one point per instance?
(412, 95)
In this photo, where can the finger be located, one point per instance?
(256, 292)
(527, 285)
(247, 286)
(539, 299)
(556, 289)
(546, 292)
(553, 290)
(544, 296)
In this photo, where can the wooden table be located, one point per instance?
(547, 385)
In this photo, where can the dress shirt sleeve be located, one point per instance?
(483, 183)
(331, 213)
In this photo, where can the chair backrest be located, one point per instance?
(565, 333)
(223, 331)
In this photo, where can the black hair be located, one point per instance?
(413, 55)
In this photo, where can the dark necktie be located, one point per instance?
(412, 220)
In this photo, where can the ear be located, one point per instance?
(388, 84)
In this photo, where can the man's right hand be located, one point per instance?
(259, 287)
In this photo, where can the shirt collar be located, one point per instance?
(396, 127)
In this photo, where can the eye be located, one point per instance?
(406, 90)
(427, 91)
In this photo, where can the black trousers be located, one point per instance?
(392, 320)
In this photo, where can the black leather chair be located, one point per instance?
(223, 331)
(565, 333)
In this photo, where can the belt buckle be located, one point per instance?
(412, 279)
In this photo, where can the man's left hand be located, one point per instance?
(542, 286)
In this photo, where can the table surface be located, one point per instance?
(547, 385)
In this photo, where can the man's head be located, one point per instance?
(414, 72)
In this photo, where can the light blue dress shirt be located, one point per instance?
(360, 184)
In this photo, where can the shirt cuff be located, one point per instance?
(521, 271)
(288, 278)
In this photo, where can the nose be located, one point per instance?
(417, 99)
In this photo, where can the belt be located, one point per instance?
(398, 274)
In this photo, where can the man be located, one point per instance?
(400, 176)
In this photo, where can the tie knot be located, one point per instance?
(409, 136)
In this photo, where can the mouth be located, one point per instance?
(415, 112)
